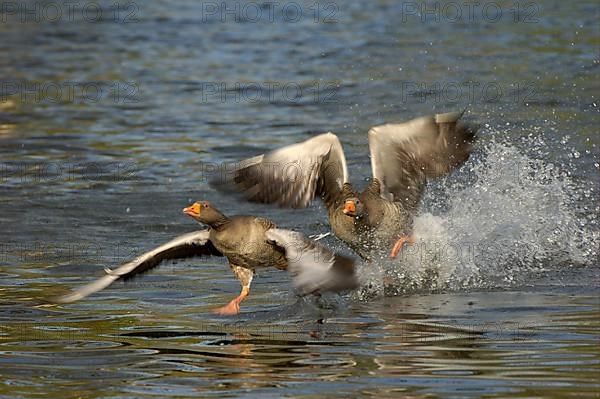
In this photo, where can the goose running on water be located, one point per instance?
(248, 243)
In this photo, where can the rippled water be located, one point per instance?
(110, 125)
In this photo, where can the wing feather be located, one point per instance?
(292, 176)
(405, 155)
(314, 267)
(184, 246)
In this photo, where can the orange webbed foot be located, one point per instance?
(232, 308)
(404, 239)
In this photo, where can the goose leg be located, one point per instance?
(398, 245)
(233, 307)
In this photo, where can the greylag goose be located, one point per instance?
(403, 157)
(248, 243)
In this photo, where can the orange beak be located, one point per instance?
(192, 210)
(349, 208)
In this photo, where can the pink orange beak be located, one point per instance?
(192, 210)
(349, 208)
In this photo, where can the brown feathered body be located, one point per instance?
(380, 224)
(242, 239)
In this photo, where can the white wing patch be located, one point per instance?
(314, 268)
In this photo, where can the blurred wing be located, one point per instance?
(405, 155)
(185, 246)
(293, 175)
(314, 268)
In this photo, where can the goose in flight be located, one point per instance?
(403, 157)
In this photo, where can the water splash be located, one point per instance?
(505, 216)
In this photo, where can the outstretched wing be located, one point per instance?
(314, 268)
(185, 246)
(405, 155)
(292, 176)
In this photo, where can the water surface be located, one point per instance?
(108, 127)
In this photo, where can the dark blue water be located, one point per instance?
(113, 113)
